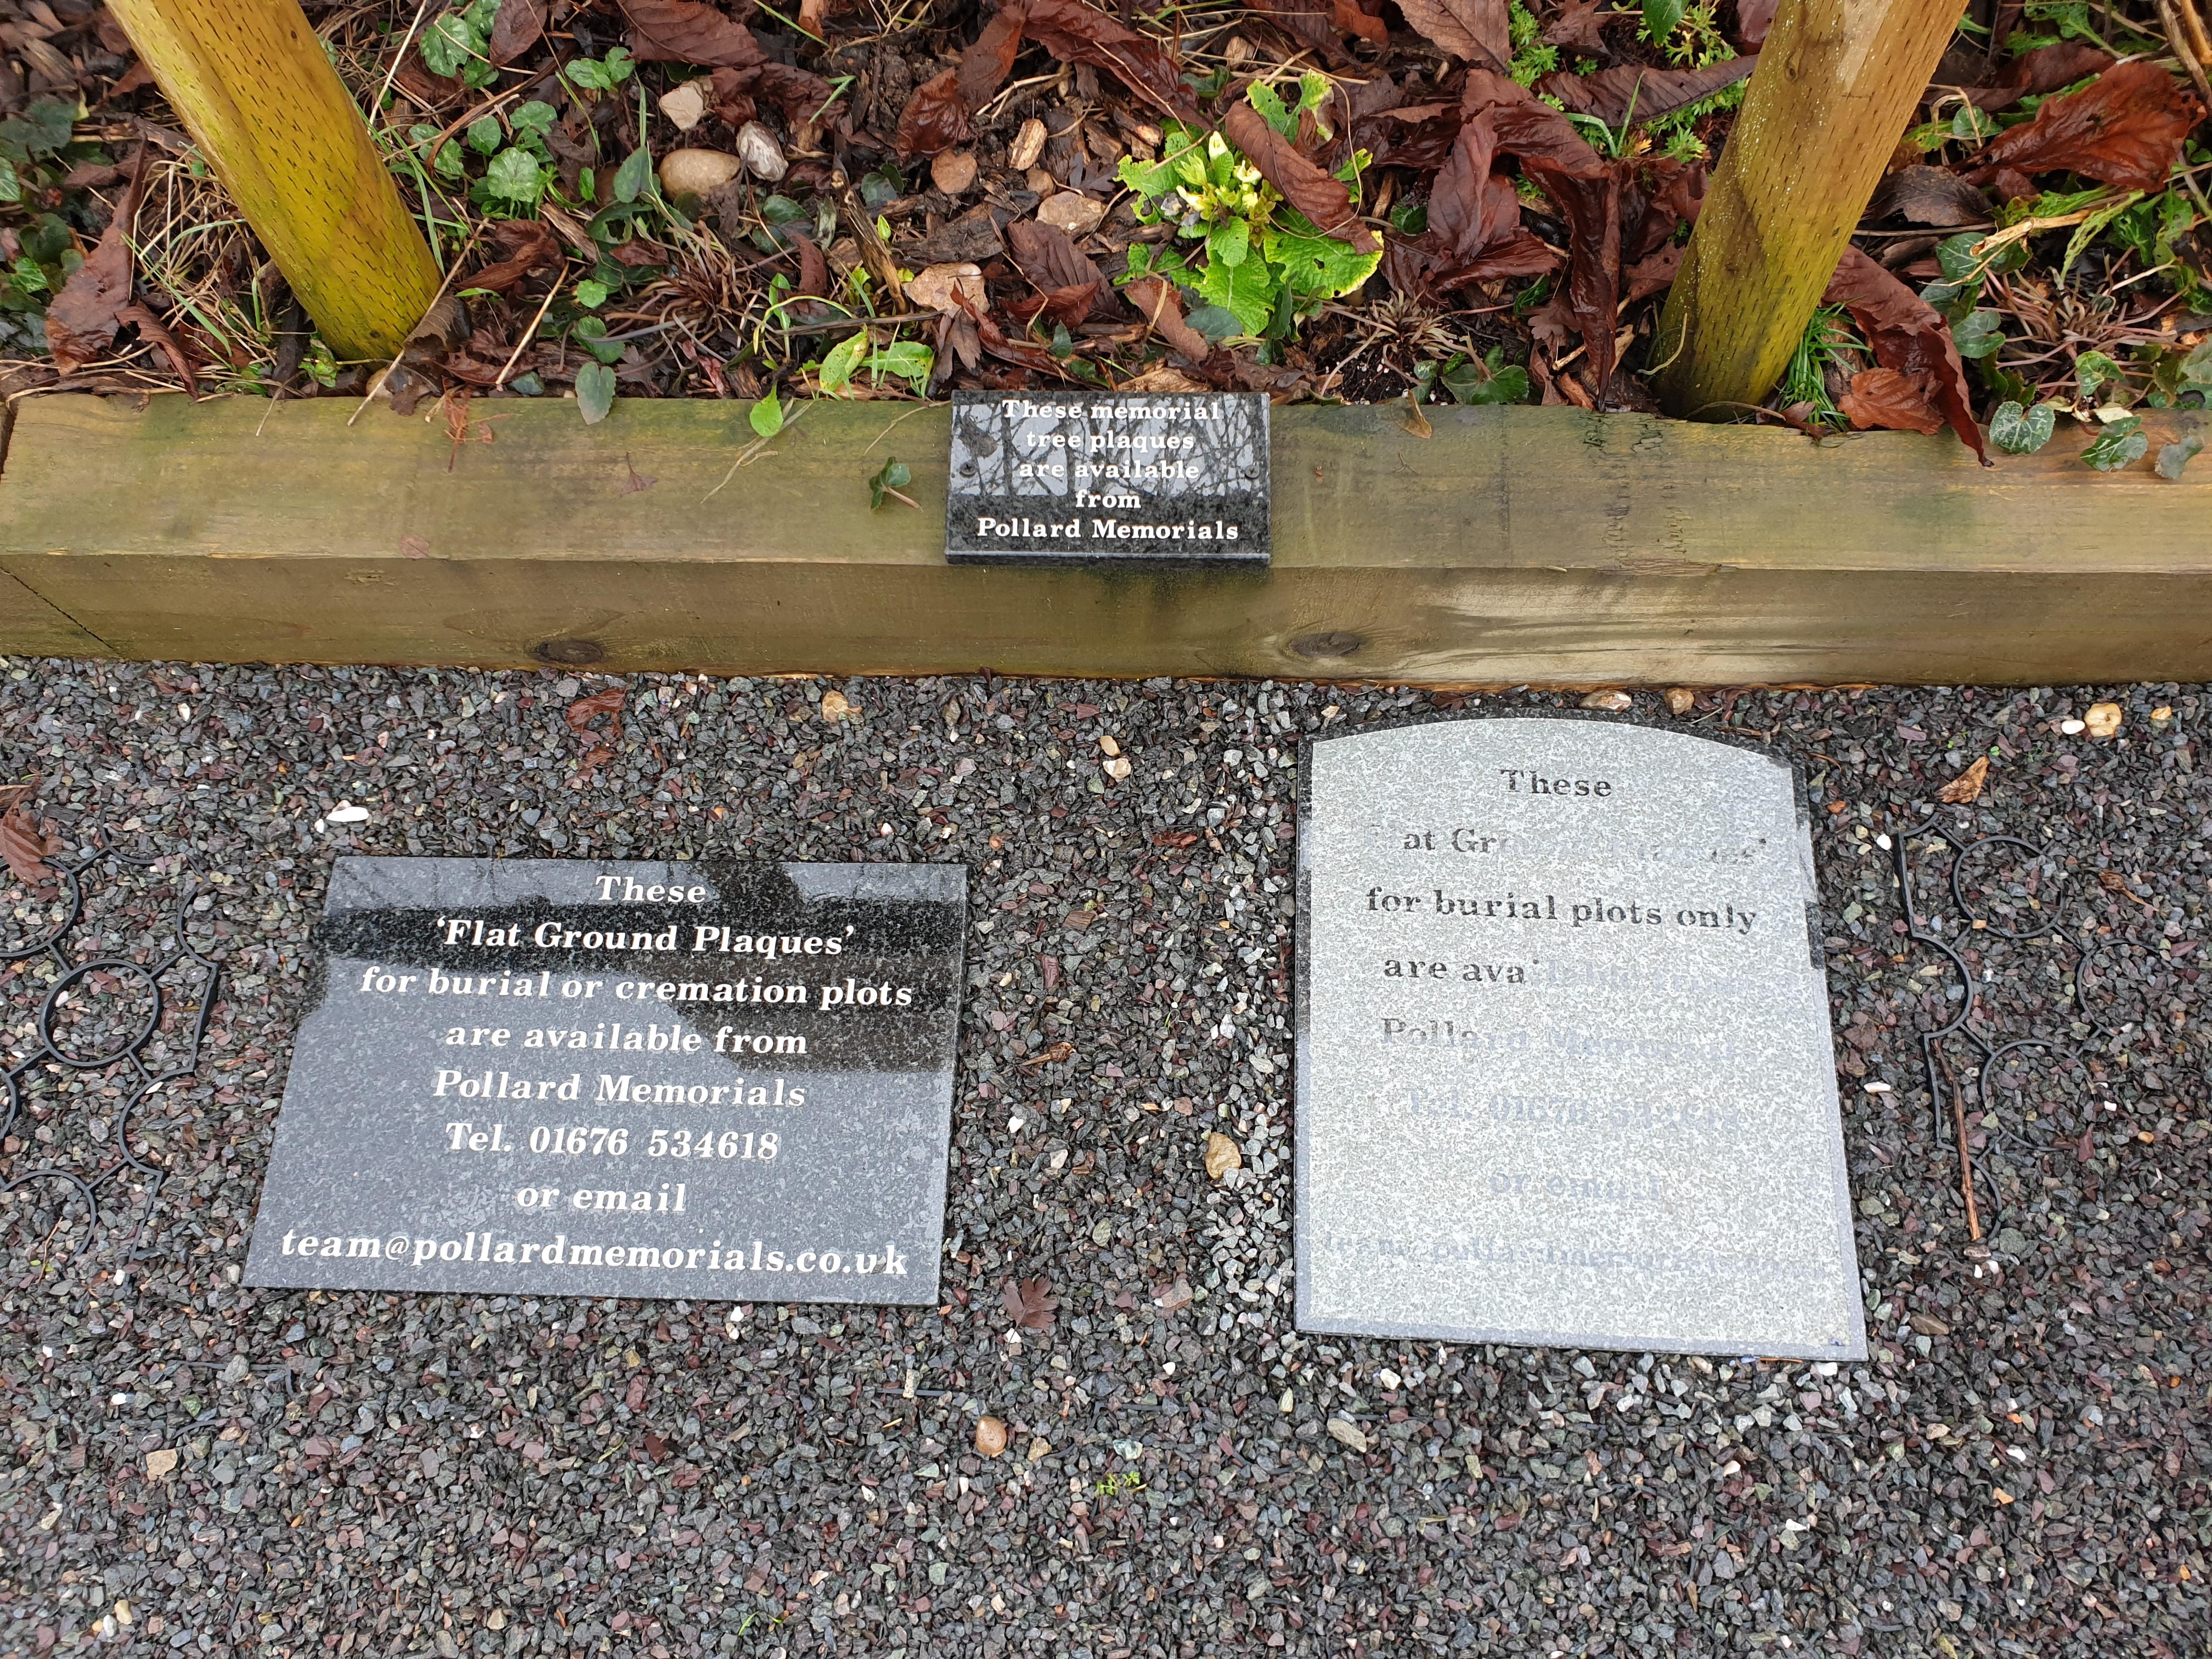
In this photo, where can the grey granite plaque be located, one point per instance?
(1566, 1074)
(1044, 477)
(716, 1080)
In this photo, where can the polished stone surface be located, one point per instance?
(720, 1080)
(1566, 1071)
(1157, 478)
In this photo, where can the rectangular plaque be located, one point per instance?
(1566, 1071)
(1172, 476)
(715, 1081)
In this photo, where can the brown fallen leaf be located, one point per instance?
(82, 321)
(1049, 257)
(1632, 92)
(953, 171)
(1161, 307)
(2047, 68)
(686, 32)
(1885, 398)
(1581, 24)
(582, 712)
(515, 28)
(1313, 193)
(1077, 33)
(985, 65)
(936, 117)
(990, 1436)
(2102, 720)
(157, 334)
(1051, 1056)
(26, 845)
(1933, 196)
(1966, 788)
(2125, 129)
(1908, 335)
(1031, 1301)
(1221, 1155)
(1316, 22)
(1475, 30)
(1585, 187)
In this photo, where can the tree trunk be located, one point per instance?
(251, 82)
(1837, 81)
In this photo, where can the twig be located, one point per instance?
(1966, 1158)
(753, 449)
(528, 335)
(886, 432)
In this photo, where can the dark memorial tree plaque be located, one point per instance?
(714, 1081)
(1566, 1071)
(1170, 478)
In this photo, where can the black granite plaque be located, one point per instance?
(1165, 478)
(714, 1080)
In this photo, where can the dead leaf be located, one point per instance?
(1031, 1301)
(159, 1464)
(1966, 788)
(985, 65)
(1160, 306)
(1475, 30)
(1070, 211)
(2125, 129)
(935, 288)
(1162, 378)
(686, 32)
(1028, 145)
(157, 334)
(1909, 335)
(529, 246)
(990, 1436)
(1352, 20)
(82, 321)
(26, 845)
(1077, 33)
(1221, 1155)
(685, 106)
(836, 706)
(1886, 397)
(2102, 720)
(2047, 68)
(514, 30)
(1585, 188)
(1580, 24)
(935, 118)
(1315, 22)
(582, 712)
(1631, 92)
(1933, 196)
(1046, 253)
(1303, 186)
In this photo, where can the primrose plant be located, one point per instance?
(1256, 263)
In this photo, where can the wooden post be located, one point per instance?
(251, 82)
(1837, 81)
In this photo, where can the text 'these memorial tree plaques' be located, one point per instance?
(1566, 1071)
(715, 1081)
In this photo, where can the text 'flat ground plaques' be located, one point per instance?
(1566, 1074)
(714, 1081)
(1175, 477)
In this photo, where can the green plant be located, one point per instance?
(1826, 339)
(888, 480)
(36, 154)
(2020, 431)
(1532, 58)
(600, 74)
(458, 44)
(2172, 457)
(2121, 443)
(1256, 257)
(1475, 380)
(856, 354)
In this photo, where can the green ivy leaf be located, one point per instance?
(1978, 334)
(2093, 372)
(2172, 457)
(2121, 443)
(2197, 370)
(595, 393)
(635, 172)
(11, 188)
(837, 367)
(2019, 431)
(894, 474)
(532, 119)
(766, 416)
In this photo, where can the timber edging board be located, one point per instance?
(1544, 545)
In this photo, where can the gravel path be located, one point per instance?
(2025, 1468)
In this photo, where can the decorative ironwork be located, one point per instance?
(47, 1049)
(1957, 1100)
